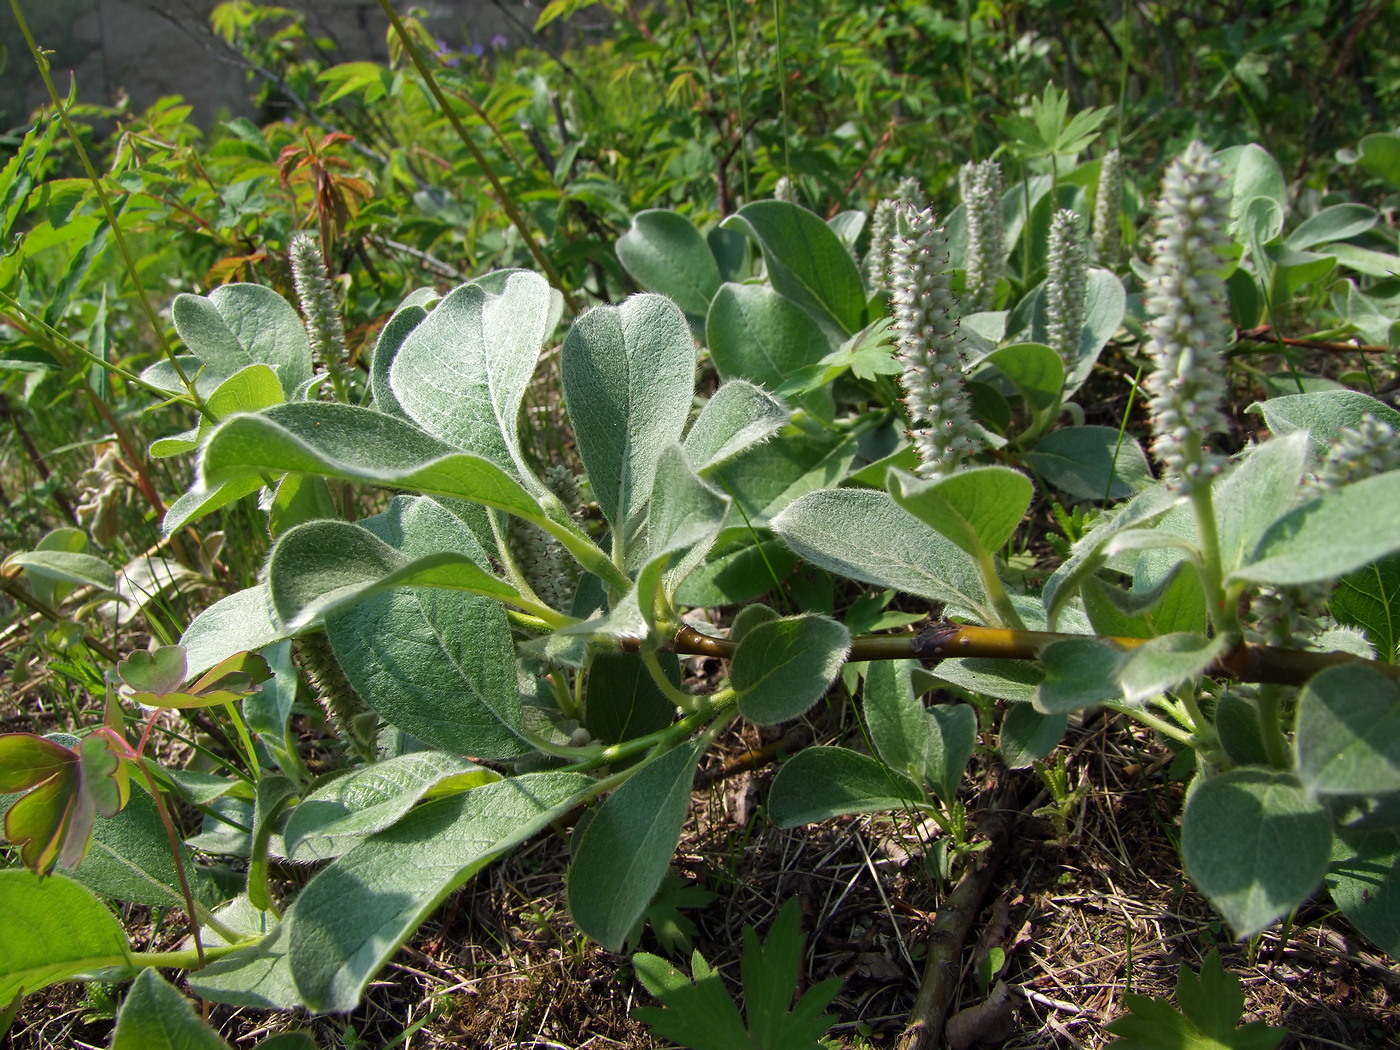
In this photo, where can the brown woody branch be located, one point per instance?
(1247, 662)
(1266, 334)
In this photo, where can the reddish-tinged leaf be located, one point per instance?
(27, 760)
(66, 788)
(159, 671)
(53, 822)
(104, 774)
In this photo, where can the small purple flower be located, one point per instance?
(445, 54)
(498, 42)
(478, 50)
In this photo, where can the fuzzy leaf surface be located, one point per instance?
(154, 1016)
(436, 663)
(353, 915)
(1348, 732)
(627, 845)
(738, 416)
(1337, 533)
(978, 508)
(238, 325)
(783, 667)
(1091, 462)
(461, 374)
(806, 262)
(866, 536)
(819, 783)
(324, 565)
(1255, 844)
(665, 253)
(756, 333)
(629, 376)
(1364, 880)
(339, 814)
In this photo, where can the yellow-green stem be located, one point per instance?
(503, 196)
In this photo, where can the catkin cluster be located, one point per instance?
(930, 345)
(1190, 327)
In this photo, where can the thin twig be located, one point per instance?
(943, 967)
(1266, 334)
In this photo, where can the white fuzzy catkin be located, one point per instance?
(911, 192)
(981, 186)
(930, 345)
(320, 307)
(1066, 281)
(877, 256)
(1108, 203)
(1190, 327)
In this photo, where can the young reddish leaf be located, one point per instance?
(66, 788)
(104, 774)
(154, 679)
(27, 760)
(54, 819)
(160, 671)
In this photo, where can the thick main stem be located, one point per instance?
(1247, 662)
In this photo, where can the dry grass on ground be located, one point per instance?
(1081, 918)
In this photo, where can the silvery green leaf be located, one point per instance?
(1330, 536)
(338, 814)
(154, 1016)
(1079, 673)
(1322, 414)
(461, 373)
(806, 262)
(438, 664)
(819, 783)
(351, 918)
(1254, 844)
(1027, 735)
(1348, 732)
(398, 328)
(665, 253)
(782, 667)
(241, 622)
(627, 845)
(756, 333)
(738, 416)
(238, 325)
(1166, 662)
(1364, 880)
(864, 535)
(977, 508)
(629, 376)
(1091, 462)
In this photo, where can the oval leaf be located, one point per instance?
(824, 782)
(977, 508)
(627, 845)
(1348, 732)
(53, 929)
(783, 667)
(866, 536)
(1255, 844)
(352, 917)
(629, 377)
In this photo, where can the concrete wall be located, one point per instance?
(151, 48)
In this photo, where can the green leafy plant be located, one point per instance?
(698, 1011)
(1211, 1004)
(449, 581)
